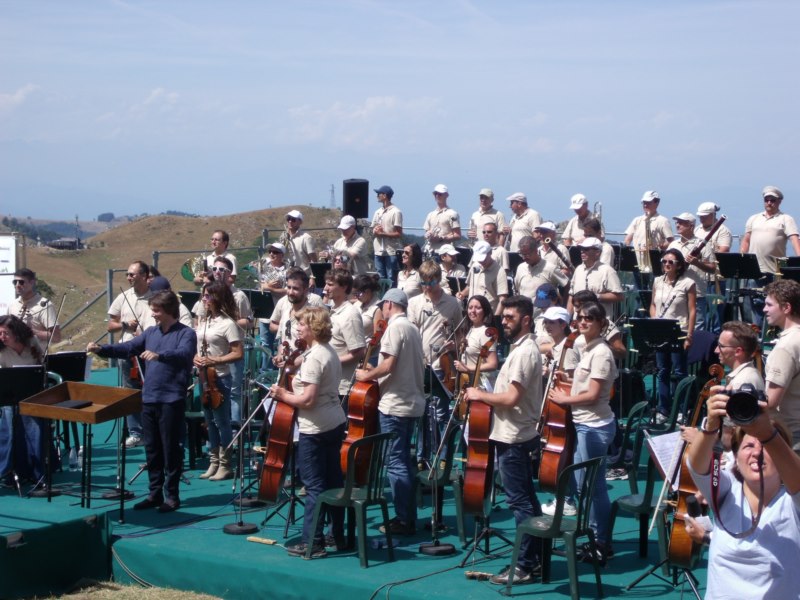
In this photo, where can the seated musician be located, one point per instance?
(516, 402)
(321, 422)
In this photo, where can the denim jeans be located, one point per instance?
(219, 420)
(268, 341)
(134, 420)
(21, 449)
(163, 427)
(386, 266)
(669, 363)
(516, 472)
(320, 469)
(237, 375)
(401, 468)
(591, 443)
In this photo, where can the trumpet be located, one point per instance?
(193, 268)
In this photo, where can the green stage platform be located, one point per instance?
(188, 549)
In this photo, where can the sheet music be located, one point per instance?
(665, 451)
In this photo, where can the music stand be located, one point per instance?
(656, 335)
(617, 247)
(514, 260)
(792, 273)
(71, 366)
(627, 259)
(17, 384)
(793, 261)
(456, 284)
(318, 270)
(574, 255)
(464, 256)
(261, 303)
(736, 266)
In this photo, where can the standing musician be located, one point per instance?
(486, 277)
(408, 278)
(168, 347)
(517, 403)
(299, 245)
(547, 231)
(442, 225)
(650, 231)
(366, 288)
(594, 420)
(574, 231)
(486, 213)
(556, 324)
(479, 315)
(521, 224)
(283, 322)
(162, 284)
(219, 246)
(387, 233)
(701, 267)
(37, 312)
(347, 339)
(534, 271)
(321, 422)
(722, 239)
(219, 343)
(353, 245)
(612, 334)
(23, 439)
(596, 276)
(593, 228)
(273, 281)
(490, 234)
(400, 375)
(674, 297)
(125, 315)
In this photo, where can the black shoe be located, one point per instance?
(317, 550)
(339, 543)
(521, 576)
(148, 503)
(169, 506)
(397, 527)
(601, 553)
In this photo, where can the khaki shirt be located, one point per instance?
(574, 229)
(389, 218)
(697, 275)
(521, 226)
(299, 248)
(768, 236)
(402, 390)
(783, 369)
(284, 314)
(721, 237)
(358, 245)
(434, 321)
(409, 283)
(442, 221)
(596, 362)
(491, 282)
(746, 373)
(320, 366)
(37, 312)
(134, 308)
(660, 232)
(528, 278)
(480, 218)
(550, 256)
(599, 279)
(218, 334)
(672, 301)
(348, 335)
(518, 423)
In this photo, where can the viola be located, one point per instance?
(557, 429)
(479, 470)
(362, 410)
(683, 550)
(281, 433)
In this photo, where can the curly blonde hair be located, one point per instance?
(318, 320)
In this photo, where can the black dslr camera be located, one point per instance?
(742, 406)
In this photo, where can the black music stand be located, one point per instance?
(71, 366)
(736, 266)
(464, 256)
(656, 335)
(318, 270)
(16, 384)
(792, 273)
(793, 261)
(456, 284)
(514, 260)
(261, 303)
(189, 298)
(575, 255)
(617, 247)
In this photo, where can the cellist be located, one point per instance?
(516, 402)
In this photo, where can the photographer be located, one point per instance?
(761, 564)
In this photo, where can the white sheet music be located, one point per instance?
(666, 452)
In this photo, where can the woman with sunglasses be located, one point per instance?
(408, 278)
(674, 297)
(219, 343)
(473, 332)
(594, 420)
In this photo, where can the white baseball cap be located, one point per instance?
(577, 201)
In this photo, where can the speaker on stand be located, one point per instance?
(355, 198)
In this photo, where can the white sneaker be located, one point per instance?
(570, 510)
(133, 441)
(549, 508)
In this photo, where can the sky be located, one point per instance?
(220, 107)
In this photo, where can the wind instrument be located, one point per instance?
(286, 240)
(646, 265)
(194, 267)
(568, 264)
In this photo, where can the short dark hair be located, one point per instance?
(680, 261)
(340, 277)
(144, 268)
(785, 291)
(593, 224)
(530, 242)
(522, 304)
(225, 261)
(366, 282)
(298, 273)
(167, 301)
(20, 330)
(225, 237)
(26, 273)
(743, 335)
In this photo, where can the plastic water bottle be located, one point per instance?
(73, 459)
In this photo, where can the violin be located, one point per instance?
(479, 471)
(683, 551)
(362, 410)
(557, 429)
(281, 439)
(210, 395)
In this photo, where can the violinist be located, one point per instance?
(594, 420)
(219, 343)
(168, 348)
(321, 422)
(517, 401)
(473, 334)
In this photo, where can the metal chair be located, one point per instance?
(557, 526)
(358, 499)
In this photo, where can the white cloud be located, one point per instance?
(9, 102)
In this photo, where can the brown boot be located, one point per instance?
(213, 462)
(224, 471)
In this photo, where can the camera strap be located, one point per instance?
(716, 465)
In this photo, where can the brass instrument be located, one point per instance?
(270, 273)
(645, 265)
(193, 267)
(597, 210)
(286, 240)
(427, 250)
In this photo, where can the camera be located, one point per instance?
(742, 406)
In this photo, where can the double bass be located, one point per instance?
(281, 433)
(362, 410)
(479, 471)
(557, 428)
(683, 550)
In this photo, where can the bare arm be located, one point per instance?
(744, 246)
(510, 397)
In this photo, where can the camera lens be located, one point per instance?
(742, 407)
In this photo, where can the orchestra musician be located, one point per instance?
(721, 241)
(593, 228)
(490, 234)
(273, 281)
(649, 231)
(387, 233)
(168, 347)
(365, 289)
(321, 423)
(535, 271)
(521, 224)
(347, 338)
(547, 231)
(161, 284)
(300, 244)
(700, 268)
(283, 321)
(595, 424)
(442, 225)
(486, 277)
(596, 276)
(473, 334)
(219, 343)
(37, 312)
(408, 278)
(612, 334)
(400, 375)
(486, 213)
(448, 256)
(574, 231)
(219, 246)
(517, 402)
(352, 244)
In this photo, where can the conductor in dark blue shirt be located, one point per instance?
(167, 350)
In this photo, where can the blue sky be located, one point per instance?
(221, 107)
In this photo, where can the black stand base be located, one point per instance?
(688, 576)
(117, 493)
(249, 501)
(484, 536)
(240, 528)
(436, 548)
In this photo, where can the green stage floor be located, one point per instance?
(188, 549)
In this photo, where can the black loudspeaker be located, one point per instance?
(355, 197)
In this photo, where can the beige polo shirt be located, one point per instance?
(320, 366)
(434, 321)
(348, 335)
(443, 221)
(218, 333)
(490, 282)
(528, 278)
(600, 278)
(518, 423)
(521, 226)
(697, 275)
(660, 232)
(389, 218)
(768, 236)
(358, 245)
(596, 362)
(672, 301)
(783, 369)
(402, 390)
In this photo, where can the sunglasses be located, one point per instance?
(587, 318)
(292, 219)
(406, 253)
(666, 261)
(18, 282)
(432, 282)
(216, 239)
(771, 200)
(275, 252)
(223, 269)
(131, 274)
(487, 232)
(206, 296)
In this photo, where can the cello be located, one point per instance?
(558, 430)
(281, 434)
(479, 470)
(362, 410)
(683, 551)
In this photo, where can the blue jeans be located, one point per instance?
(591, 443)
(516, 472)
(401, 467)
(163, 430)
(237, 375)
(669, 363)
(21, 448)
(320, 470)
(134, 420)
(219, 421)
(268, 341)
(386, 266)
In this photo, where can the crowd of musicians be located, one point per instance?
(495, 317)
